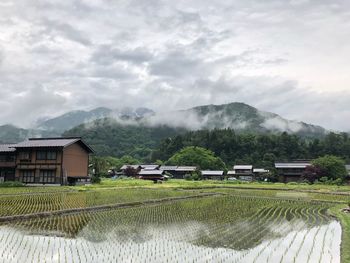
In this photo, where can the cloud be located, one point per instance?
(288, 57)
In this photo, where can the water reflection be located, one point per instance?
(212, 230)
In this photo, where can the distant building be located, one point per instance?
(46, 161)
(291, 171)
(154, 175)
(168, 169)
(150, 166)
(260, 172)
(213, 175)
(181, 171)
(244, 172)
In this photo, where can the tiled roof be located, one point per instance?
(291, 165)
(151, 172)
(5, 148)
(168, 168)
(213, 173)
(186, 168)
(150, 166)
(243, 167)
(51, 142)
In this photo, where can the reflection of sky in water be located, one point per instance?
(191, 241)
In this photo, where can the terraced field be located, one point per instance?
(227, 228)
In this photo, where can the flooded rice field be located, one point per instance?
(211, 229)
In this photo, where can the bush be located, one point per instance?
(12, 184)
(336, 182)
(95, 179)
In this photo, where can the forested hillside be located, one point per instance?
(109, 138)
(260, 150)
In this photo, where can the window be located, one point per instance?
(40, 155)
(24, 156)
(46, 155)
(27, 176)
(7, 158)
(47, 176)
(51, 155)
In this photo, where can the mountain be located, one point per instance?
(128, 130)
(109, 137)
(13, 134)
(243, 117)
(74, 118)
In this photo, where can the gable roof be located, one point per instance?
(151, 172)
(150, 166)
(186, 168)
(243, 167)
(7, 148)
(292, 165)
(52, 142)
(168, 168)
(213, 173)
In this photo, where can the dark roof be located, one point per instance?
(52, 142)
(6, 148)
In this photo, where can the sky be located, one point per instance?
(290, 57)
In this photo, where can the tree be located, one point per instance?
(197, 156)
(313, 173)
(332, 166)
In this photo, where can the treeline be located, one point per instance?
(258, 150)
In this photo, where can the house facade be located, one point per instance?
(213, 175)
(244, 172)
(49, 161)
(291, 171)
(7, 163)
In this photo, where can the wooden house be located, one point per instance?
(244, 172)
(50, 161)
(154, 175)
(181, 171)
(291, 171)
(213, 175)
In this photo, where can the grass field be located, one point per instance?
(243, 223)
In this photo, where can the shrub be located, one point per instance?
(95, 179)
(11, 184)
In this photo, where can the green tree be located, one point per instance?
(197, 156)
(332, 166)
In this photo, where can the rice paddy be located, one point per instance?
(228, 228)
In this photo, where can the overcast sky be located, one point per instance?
(290, 57)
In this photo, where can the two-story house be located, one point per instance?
(51, 161)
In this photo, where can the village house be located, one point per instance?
(46, 161)
(168, 169)
(260, 172)
(291, 171)
(244, 172)
(181, 171)
(213, 175)
(154, 175)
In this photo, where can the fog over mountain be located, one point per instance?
(289, 57)
(238, 116)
